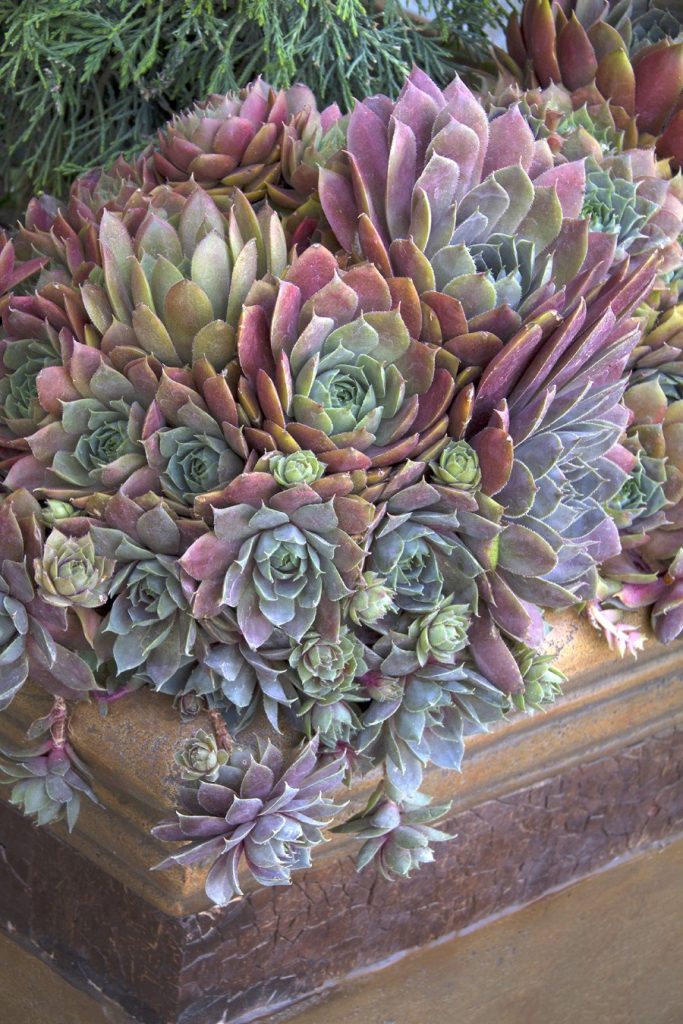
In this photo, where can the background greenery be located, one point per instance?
(81, 81)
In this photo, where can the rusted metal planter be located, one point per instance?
(542, 801)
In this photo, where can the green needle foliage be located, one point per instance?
(82, 81)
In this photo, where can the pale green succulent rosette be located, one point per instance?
(372, 602)
(301, 467)
(200, 757)
(543, 682)
(457, 466)
(327, 670)
(70, 574)
(441, 633)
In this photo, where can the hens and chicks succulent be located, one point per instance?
(311, 416)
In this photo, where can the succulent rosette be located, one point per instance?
(649, 507)
(472, 214)
(659, 353)
(626, 197)
(90, 437)
(372, 601)
(47, 781)
(325, 670)
(172, 431)
(630, 53)
(420, 714)
(175, 274)
(416, 544)
(149, 626)
(192, 438)
(32, 328)
(259, 814)
(22, 360)
(543, 681)
(70, 574)
(256, 140)
(299, 467)
(40, 635)
(66, 233)
(397, 835)
(200, 757)
(283, 559)
(329, 365)
(458, 467)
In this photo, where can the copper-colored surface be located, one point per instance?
(606, 950)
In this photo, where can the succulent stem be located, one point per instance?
(220, 730)
(111, 698)
(59, 722)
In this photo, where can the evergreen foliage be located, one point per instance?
(82, 81)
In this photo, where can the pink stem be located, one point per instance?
(220, 730)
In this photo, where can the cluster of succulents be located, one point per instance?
(630, 52)
(307, 420)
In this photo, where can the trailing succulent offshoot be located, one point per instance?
(308, 420)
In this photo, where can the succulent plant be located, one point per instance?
(543, 682)
(173, 285)
(22, 362)
(421, 715)
(336, 724)
(327, 670)
(90, 438)
(442, 632)
(329, 462)
(47, 778)
(632, 54)
(37, 637)
(30, 343)
(613, 205)
(200, 757)
(258, 813)
(372, 601)
(254, 140)
(301, 467)
(329, 366)
(397, 835)
(234, 677)
(69, 574)
(457, 466)
(282, 559)
(149, 626)
(627, 197)
(659, 353)
(66, 233)
(469, 215)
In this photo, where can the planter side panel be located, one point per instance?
(94, 929)
(279, 944)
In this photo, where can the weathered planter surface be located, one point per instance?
(542, 801)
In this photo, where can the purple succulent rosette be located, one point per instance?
(283, 559)
(258, 812)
